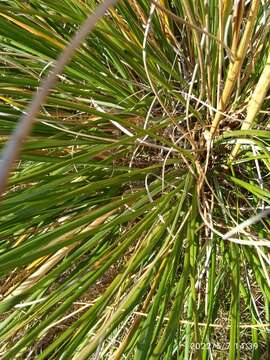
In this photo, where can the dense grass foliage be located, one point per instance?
(136, 225)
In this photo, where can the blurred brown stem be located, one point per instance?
(12, 149)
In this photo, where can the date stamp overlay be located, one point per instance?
(223, 346)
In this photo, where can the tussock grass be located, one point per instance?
(135, 224)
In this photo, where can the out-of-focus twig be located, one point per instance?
(12, 149)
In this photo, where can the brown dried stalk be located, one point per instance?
(255, 103)
(235, 67)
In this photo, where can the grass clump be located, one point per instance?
(136, 223)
